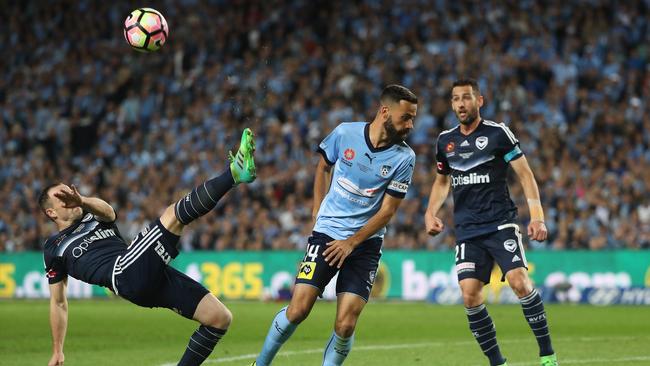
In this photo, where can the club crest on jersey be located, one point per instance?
(510, 245)
(481, 142)
(385, 169)
(349, 154)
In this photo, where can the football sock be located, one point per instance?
(279, 332)
(201, 344)
(337, 350)
(481, 326)
(203, 198)
(535, 314)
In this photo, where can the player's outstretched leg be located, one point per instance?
(204, 198)
(201, 344)
(533, 308)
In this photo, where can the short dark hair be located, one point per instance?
(44, 198)
(395, 93)
(465, 82)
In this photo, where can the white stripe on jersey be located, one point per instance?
(505, 129)
(137, 249)
(447, 131)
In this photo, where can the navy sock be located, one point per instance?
(203, 198)
(533, 308)
(485, 333)
(201, 344)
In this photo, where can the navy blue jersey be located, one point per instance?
(86, 250)
(478, 166)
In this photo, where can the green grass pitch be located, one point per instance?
(114, 332)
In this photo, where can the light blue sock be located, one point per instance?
(337, 350)
(281, 329)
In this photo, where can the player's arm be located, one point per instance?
(338, 250)
(536, 229)
(322, 180)
(58, 320)
(437, 197)
(96, 206)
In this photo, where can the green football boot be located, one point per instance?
(242, 165)
(550, 360)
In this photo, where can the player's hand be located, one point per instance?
(70, 197)
(337, 251)
(434, 225)
(57, 359)
(537, 230)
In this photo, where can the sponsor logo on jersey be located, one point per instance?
(385, 169)
(349, 154)
(349, 186)
(510, 245)
(465, 143)
(306, 271)
(516, 258)
(466, 155)
(99, 234)
(481, 142)
(450, 146)
(440, 166)
(473, 178)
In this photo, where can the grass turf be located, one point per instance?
(115, 332)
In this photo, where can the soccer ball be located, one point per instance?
(145, 30)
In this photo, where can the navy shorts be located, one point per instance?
(142, 274)
(357, 274)
(475, 257)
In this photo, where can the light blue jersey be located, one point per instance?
(361, 176)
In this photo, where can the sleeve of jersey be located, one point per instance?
(54, 270)
(329, 147)
(442, 165)
(401, 181)
(510, 145)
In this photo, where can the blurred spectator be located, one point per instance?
(77, 105)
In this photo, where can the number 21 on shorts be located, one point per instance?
(460, 248)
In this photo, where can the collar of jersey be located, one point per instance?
(366, 134)
(471, 133)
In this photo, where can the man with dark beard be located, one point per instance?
(473, 159)
(372, 172)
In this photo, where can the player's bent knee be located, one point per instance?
(345, 327)
(297, 313)
(220, 317)
(472, 299)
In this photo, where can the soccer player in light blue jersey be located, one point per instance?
(367, 168)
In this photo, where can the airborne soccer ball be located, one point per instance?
(145, 30)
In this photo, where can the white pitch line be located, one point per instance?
(589, 361)
(382, 347)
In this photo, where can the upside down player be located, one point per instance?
(476, 155)
(89, 247)
(372, 171)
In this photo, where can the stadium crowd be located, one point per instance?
(570, 78)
